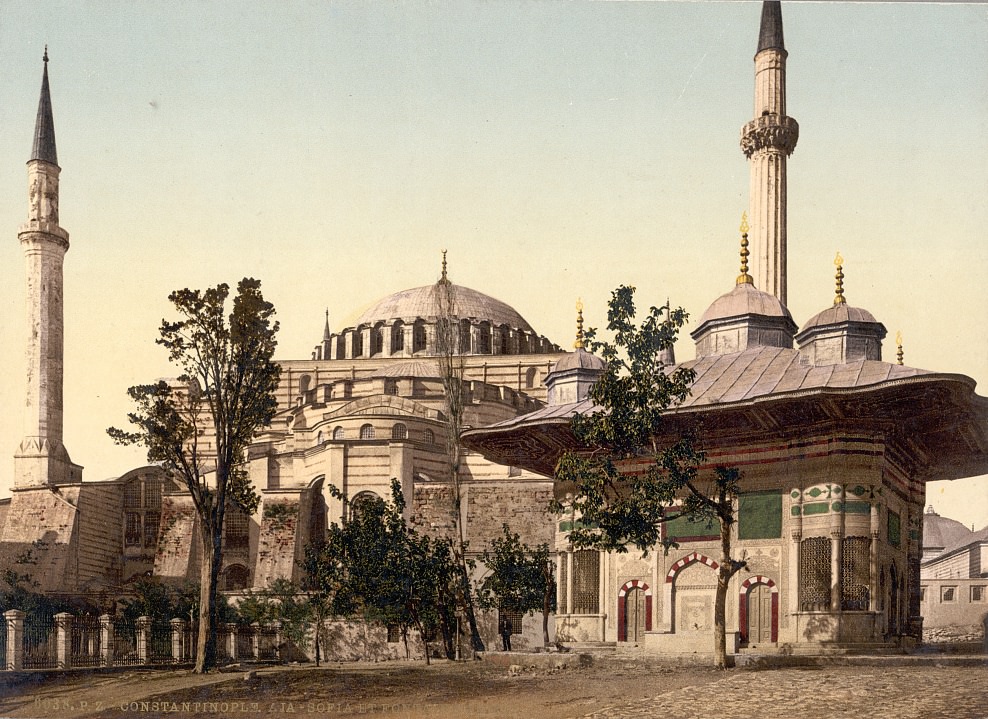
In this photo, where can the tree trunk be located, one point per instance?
(212, 557)
(546, 608)
(724, 574)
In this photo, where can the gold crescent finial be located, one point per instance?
(744, 278)
(898, 343)
(579, 324)
(444, 267)
(839, 296)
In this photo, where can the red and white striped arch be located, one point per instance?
(623, 604)
(746, 587)
(670, 582)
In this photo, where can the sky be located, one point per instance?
(556, 150)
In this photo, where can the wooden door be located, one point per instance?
(760, 614)
(634, 614)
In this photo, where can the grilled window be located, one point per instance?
(814, 574)
(586, 581)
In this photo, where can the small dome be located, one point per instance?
(941, 532)
(744, 299)
(579, 359)
(421, 302)
(838, 314)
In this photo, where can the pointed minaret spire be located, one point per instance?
(767, 141)
(667, 355)
(44, 127)
(770, 34)
(326, 334)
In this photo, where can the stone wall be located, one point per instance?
(954, 609)
(177, 555)
(42, 528)
(100, 532)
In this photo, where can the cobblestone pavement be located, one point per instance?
(922, 692)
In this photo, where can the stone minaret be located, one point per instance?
(767, 141)
(41, 458)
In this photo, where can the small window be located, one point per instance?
(347, 389)
(132, 533)
(377, 340)
(397, 337)
(358, 343)
(922, 594)
(418, 336)
(367, 431)
(320, 437)
(512, 619)
(429, 436)
(394, 636)
(978, 593)
(391, 387)
(948, 594)
(399, 431)
(151, 522)
(236, 577)
(236, 533)
(339, 433)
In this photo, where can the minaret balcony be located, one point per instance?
(772, 132)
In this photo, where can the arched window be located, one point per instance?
(504, 339)
(317, 513)
(418, 336)
(465, 337)
(399, 431)
(377, 339)
(320, 437)
(367, 431)
(339, 433)
(397, 336)
(236, 531)
(429, 436)
(358, 342)
(235, 577)
(303, 383)
(531, 376)
(361, 502)
(391, 387)
(523, 343)
(340, 347)
(484, 338)
(142, 511)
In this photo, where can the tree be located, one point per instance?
(200, 427)
(451, 365)
(377, 565)
(520, 579)
(628, 482)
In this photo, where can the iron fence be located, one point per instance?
(124, 642)
(267, 643)
(160, 644)
(87, 642)
(40, 643)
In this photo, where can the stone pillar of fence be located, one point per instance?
(143, 631)
(178, 640)
(276, 626)
(255, 640)
(106, 639)
(14, 661)
(63, 647)
(231, 639)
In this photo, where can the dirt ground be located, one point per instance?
(394, 689)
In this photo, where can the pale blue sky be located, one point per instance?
(556, 149)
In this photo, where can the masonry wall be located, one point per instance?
(959, 606)
(100, 532)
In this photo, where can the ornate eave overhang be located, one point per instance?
(938, 417)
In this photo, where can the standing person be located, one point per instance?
(504, 626)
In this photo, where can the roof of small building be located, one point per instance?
(839, 313)
(942, 532)
(421, 302)
(745, 299)
(579, 359)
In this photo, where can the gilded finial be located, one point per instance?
(444, 267)
(898, 343)
(45, 58)
(744, 278)
(579, 325)
(839, 264)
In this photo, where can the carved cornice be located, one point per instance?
(769, 132)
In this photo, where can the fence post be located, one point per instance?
(14, 661)
(106, 639)
(178, 636)
(63, 651)
(255, 640)
(231, 638)
(277, 639)
(143, 631)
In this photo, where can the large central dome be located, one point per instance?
(418, 302)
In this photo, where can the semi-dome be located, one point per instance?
(421, 302)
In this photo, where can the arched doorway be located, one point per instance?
(688, 594)
(758, 610)
(634, 611)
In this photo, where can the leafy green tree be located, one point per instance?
(285, 602)
(520, 579)
(628, 482)
(376, 565)
(200, 428)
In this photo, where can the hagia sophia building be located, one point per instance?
(835, 444)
